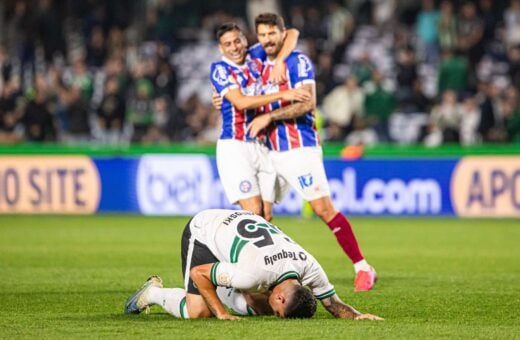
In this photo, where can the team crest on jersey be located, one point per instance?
(245, 186)
(224, 279)
(304, 66)
(220, 75)
(305, 180)
(253, 67)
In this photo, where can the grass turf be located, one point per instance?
(68, 277)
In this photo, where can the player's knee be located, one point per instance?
(323, 209)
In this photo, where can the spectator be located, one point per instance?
(140, 111)
(447, 27)
(490, 18)
(363, 68)
(37, 120)
(470, 34)
(380, 103)
(445, 121)
(453, 73)
(512, 22)
(9, 115)
(491, 126)
(470, 119)
(427, 33)
(341, 106)
(111, 113)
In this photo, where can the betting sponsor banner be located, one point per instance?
(48, 185)
(177, 185)
(187, 184)
(486, 187)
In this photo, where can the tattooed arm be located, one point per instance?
(287, 112)
(341, 310)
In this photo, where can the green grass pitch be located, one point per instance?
(69, 276)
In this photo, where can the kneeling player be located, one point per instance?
(239, 260)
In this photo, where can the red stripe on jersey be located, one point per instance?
(294, 135)
(273, 137)
(239, 116)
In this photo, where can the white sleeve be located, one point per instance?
(229, 275)
(317, 280)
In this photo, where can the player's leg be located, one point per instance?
(194, 253)
(238, 174)
(267, 180)
(253, 204)
(303, 169)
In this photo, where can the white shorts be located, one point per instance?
(302, 169)
(245, 170)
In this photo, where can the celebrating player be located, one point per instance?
(294, 144)
(239, 260)
(245, 171)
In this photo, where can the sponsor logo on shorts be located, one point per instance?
(305, 180)
(245, 186)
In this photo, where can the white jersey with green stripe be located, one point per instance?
(254, 254)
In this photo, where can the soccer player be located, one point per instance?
(294, 144)
(245, 170)
(239, 260)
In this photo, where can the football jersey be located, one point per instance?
(255, 255)
(288, 134)
(225, 76)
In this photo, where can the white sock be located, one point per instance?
(362, 265)
(172, 300)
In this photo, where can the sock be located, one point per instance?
(172, 300)
(345, 236)
(362, 265)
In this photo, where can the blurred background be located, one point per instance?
(117, 72)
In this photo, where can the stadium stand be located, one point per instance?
(120, 72)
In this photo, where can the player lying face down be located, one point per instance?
(238, 260)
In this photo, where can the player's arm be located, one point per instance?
(341, 310)
(242, 102)
(287, 112)
(278, 74)
(201, 276)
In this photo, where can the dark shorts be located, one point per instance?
(200, 255)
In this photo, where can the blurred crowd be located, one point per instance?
(387, 71)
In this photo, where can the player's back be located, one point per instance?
(234, 234)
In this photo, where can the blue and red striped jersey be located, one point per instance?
(225, 76)
(294, 133)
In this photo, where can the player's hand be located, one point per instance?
(228, 316)
(296, 95)
(216, 100)
(278, 75)
(368, 317)
(257, 124)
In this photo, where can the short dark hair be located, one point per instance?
(301, 305)
(227, 27)
(270, 19)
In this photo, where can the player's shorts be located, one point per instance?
(302, 169)
(193, 253)
(245, 170)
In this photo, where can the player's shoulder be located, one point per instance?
(297, 55)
